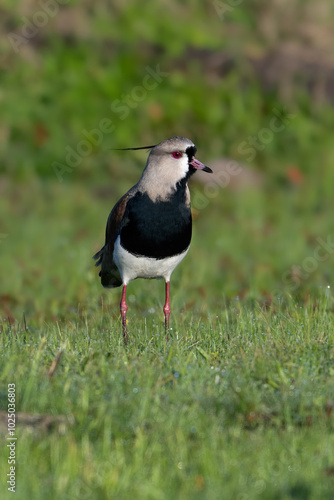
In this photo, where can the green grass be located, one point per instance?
(237, 405)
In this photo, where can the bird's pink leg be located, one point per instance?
(167, 310)
(124, 308)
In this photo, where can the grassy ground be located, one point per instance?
(239, 404)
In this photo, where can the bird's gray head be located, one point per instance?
(168, 163)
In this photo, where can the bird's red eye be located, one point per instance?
(176, 154)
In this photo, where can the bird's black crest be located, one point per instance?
(133, 149)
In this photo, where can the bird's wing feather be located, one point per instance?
(110, 276)
(115, 219)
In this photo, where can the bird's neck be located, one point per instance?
(163, 192)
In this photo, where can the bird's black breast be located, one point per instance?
(157, 229)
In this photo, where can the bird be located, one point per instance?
(149, 229)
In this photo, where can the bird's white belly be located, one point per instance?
(131, 266)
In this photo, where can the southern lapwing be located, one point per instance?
(149, 229)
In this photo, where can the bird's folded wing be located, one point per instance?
(116, 221)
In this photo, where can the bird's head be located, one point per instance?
(170, 162)
(174, 159)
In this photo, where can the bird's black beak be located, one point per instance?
(200, 166)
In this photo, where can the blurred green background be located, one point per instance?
(80, 78)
